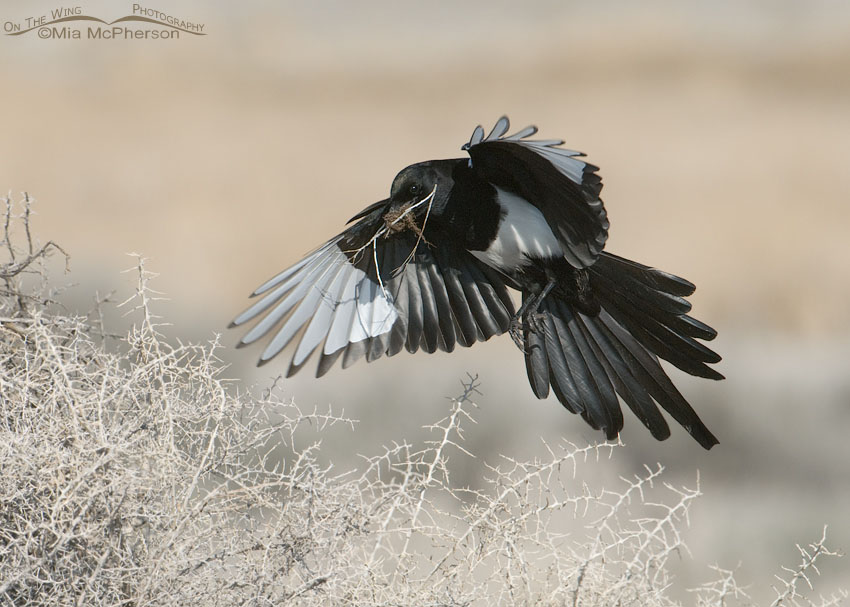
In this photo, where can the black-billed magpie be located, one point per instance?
(429, 268)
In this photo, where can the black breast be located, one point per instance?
(472, 214)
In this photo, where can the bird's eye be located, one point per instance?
(414, 189)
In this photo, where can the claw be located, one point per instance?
(533, 322)
(515, 331)
(536, 322)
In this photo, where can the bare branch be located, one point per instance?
(135, 474)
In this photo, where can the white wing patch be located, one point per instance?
(375, 313)
(318, 328)
(296, 287)
(339, 333)
(523, 233)
(339, 301)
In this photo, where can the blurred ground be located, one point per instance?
(723, 136)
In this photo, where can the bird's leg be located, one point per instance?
(527, 313)
(535, 320)
(516, 322)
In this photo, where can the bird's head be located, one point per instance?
(428, 183)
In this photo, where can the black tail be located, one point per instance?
(588, 360)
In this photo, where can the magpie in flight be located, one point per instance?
(430, 267)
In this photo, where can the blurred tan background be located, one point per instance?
(723, 136)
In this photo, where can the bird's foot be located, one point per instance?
(528, 317)
(534, 322)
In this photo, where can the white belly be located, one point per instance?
(523, 234)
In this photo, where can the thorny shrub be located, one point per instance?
(135, 474)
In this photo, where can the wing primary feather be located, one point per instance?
(320, 324)
(552, 143)
(369, 309)
(500, 128)
(361, 323)
(388, 259)
(377, 347)
(299, 278)
(353, 352)
(299, 317)
(477, 137)
(326, 361)
(281, 276)
(340, 330)
(302, 291)
(522, 134)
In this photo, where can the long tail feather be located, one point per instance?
(588, 360)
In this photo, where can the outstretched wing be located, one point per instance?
(553, 179)
(371, 292)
